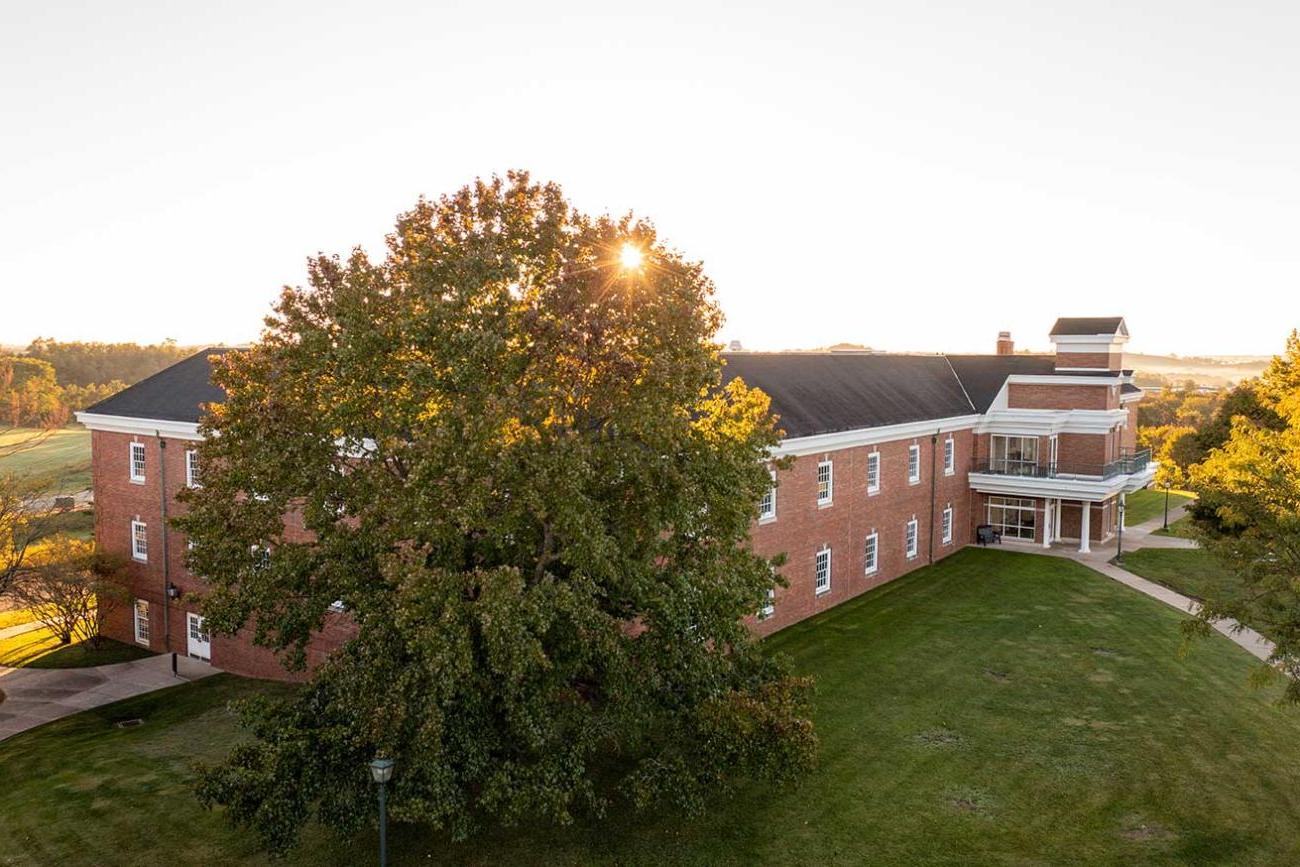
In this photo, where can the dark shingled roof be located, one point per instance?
(1089, 325)
(176, 393)
(983, 375)
(819, 392)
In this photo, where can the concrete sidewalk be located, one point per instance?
(1141, 536)
(34, 696)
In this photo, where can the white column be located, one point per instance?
(1049, 526)
(1057, 523)
(1085, 544)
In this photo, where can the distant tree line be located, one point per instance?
(44, 386)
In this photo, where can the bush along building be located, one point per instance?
(899, 460)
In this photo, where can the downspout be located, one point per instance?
(934, 486)
(162, 503)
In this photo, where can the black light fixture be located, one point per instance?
(173, 592)
(381, 771)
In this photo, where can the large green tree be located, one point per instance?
(521, 478)
(1249, 513)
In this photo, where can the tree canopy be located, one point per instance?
(518, 473)
(1248, 512)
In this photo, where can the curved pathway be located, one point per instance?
(33, 696)
(1141, 536)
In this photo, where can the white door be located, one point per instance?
(200, 643)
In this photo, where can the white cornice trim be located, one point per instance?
(183, 430)
(811, 445)
(1087, 340)
(1050, 421)
(1061, 379)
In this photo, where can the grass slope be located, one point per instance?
(1142, 506)
(63, 454)
(40, 648)
(1192, 572)
(996, 708)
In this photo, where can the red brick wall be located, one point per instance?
(1093, 360)
(1064, 396)
(118, 501)
(801, 527)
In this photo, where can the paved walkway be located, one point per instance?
(34, 696)
(1141, 536)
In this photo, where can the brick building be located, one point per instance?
(898, 460)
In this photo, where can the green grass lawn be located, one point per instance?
(1192, 572)
(62, 454)
(40, 648)
(1181, 528)
(1000, 708)
(1141, 506)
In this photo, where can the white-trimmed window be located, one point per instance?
(825, 483)
(1013, 455)
(137, 462)
(873, 472)
(910, 538)
(192, 468)
(871, 554)
(261, 556)
(140, 541)
(949, 457)
(141, 618)
(822, 574)
(770, 608)
(767, 506)
(1013, 517)
(913, 464)
(946, 526)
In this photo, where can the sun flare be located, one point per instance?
(630, 257)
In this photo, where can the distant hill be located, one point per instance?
(1215, 370)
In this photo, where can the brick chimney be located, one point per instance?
(1005, 345)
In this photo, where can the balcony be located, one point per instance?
(1127, 464)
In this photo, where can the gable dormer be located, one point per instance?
(1090, 343)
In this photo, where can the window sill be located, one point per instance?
(822, 592)
(950, 472)
(137, 481)
(770, 519)
(911, 556)
(135, 559)
(871, 572)
(871, 492)
(915, 481)
(825, 505)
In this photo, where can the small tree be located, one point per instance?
(70, 588)
(26, 517)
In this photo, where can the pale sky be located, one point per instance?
(907, 175)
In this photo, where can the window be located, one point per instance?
(140, 541)
(913, 464)
(192, 468)
(137, 462)
(1013, 455)
(823, 573)
(946, 525)
(869, 554)
(770, 608)
(825, 483)
(767, 506)
(873, 472)
(910, 539)
(949, 457)
(1014, 517)
(261, 557)
(142, 622)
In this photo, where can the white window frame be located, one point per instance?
(192, 468)
(912, 538)
(830, 482)
(770, 608)
(914, 464)
(133, 448)
(949, 457)
(139, 541)
(1001, 451)
(871, 565)
(873, 473)
(1013, 517)
(767, 506)
(818, 587)
(946, 525)
(140, 619)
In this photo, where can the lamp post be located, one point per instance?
(381, 771)
(1119, 546)
(1166, 505)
